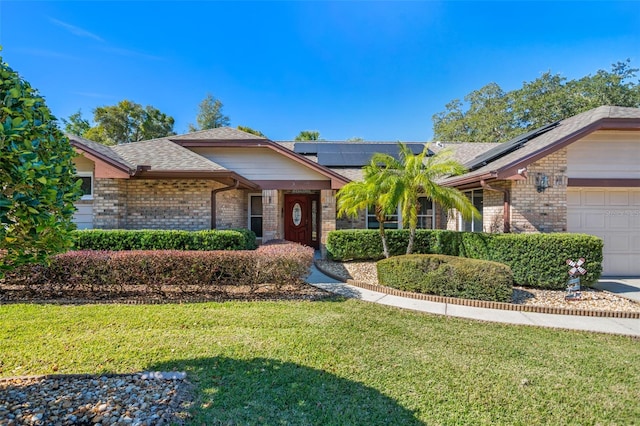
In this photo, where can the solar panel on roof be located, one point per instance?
(358, 154)
(305, 147)
(508, 147)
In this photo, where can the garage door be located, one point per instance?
(612, 214)
(83, 217)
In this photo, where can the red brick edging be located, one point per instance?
(484, 303)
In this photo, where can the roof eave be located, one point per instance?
(98, 155)
(218, 175)
(606, 123)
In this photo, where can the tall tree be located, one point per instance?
(372, 192)
(38, 185)
(76, 124)
(491, 115)
(252, 131)
(129, 122)
(415, 175)
(308, 135)
(210, 115)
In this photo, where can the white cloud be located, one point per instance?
(76, 30)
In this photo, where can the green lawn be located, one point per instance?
(337, 362)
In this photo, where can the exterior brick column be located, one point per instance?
(271, 215)
(109, 204)
(327, 217)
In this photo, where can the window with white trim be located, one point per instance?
(87, 185)
(255, 214)
(426, 216)
(392, 222)
(475, 224)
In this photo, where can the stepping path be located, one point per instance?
(625, 326)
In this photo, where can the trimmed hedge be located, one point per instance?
(150, 271)
(118, 239)
(536, 260)
(448, 276)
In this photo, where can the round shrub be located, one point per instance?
(449, 276)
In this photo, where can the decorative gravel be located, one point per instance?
(136, 399)
(592, 299)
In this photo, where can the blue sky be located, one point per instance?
(376, 70)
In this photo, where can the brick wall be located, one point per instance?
(493, 207)
(327, 217)
(272, 206)
(533, 211)
(109, 203)
(166, 204)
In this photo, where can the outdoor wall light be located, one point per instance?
(542, 182)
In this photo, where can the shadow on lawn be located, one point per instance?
(267, 391)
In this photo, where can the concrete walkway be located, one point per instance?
(630, 327)
(625, 287)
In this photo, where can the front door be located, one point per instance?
(301, 219)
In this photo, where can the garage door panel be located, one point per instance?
(593, 198)
(618, 221)
(612, 214)
(594, 221)
(574, 198)
(618, 242)
(619, 198)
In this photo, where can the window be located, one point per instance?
(255, 214)
(425, 214)
(475, 224)
(392, 221)
(87, 185)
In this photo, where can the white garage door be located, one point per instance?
(83, 217)
(612, 214)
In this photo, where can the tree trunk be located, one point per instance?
(383, 236)
(412, 237)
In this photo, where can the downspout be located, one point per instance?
(213, 200)
(506, 213)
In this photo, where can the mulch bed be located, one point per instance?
(166, 294)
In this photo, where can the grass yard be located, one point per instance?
(337, 362)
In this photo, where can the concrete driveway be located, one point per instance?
(624, 286)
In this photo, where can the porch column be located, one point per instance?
(270, 215)
(327, 217)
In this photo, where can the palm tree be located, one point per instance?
(416, 175)
(372, 192)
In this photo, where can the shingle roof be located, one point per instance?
(164, 155)
(463, 151)
(100, 150)
(220, 133)
(544, 144)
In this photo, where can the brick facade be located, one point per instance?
(166, 204)
(327, 217)
(546, 211)
(272, 215)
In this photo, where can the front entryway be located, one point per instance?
(302, 219)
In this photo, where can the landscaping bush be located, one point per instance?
(447, 276)
(100, 239)
(151, 271)
(536, 260)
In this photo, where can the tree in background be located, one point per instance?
(416, 175)
(308, 135)
(492, 115)
(76, 125)
(355, 139)
(38, 185)
(129, 122)
(210, 115)
(252, 131)
(121, 123)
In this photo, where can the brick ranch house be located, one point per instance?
(581, 174)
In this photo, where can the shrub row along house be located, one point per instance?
(581, 174)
